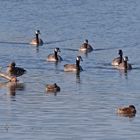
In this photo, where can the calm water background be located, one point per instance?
(85, 107)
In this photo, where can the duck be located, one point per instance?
(54, 57)
(118, 60)
(129, 111)
(37, 41)
(12, 70)
(52, 88)
(124, 65)
(74, 67)
(86, 47)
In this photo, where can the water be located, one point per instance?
(85, 107)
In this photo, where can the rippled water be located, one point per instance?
(85, 107)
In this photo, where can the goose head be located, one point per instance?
(79, 58)
(86, 41)
(126, 58)
(120, 52)
(57, 50)
(37, 32)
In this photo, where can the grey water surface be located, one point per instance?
(85, 107)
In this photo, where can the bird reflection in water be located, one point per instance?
(78, 77)
(12, 87)
(124, 73)
(132, 115)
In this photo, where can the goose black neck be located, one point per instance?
(121, 58)
(86, 45)
(37, 39)
(78, 64)
(55, 54)
(125, 64)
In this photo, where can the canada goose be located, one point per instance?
(12, 70)
(118, 60)
(124, 65)
(86, 47)
(37, 41)
(52, 88)
(129, 111)
(74, 67)
(54, 57)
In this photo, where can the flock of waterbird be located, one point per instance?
(119, 62)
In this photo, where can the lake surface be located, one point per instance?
(85, 107)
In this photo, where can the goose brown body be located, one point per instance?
(37, 41)
(54, 57)
(74, 67)
(124, 65)
(116, 61)
(52, 88)
(86, 47)
(127, 111)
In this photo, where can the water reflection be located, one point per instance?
(12, 42)
(37, 48)
(56, 64)
(78, 77)
(51, 92)
(12, 87)
(84, 53)
(58, 41)
(123, 73)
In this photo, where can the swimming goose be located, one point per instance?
(129, 111)
(118, 60)
(52, 88)
(12, 70)
(37, 41)
(124, 65)
(54, 57)
(74, 67)
(86, 47)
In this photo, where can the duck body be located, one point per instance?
(118, 60)
(85, 47)
(37, 41)
(52, 88)
(12, 70)
(74, 67)
(17, 71)
(54, 57)
(127, 111)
